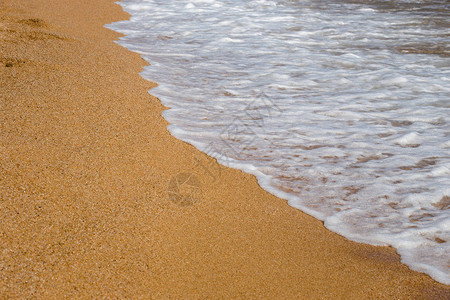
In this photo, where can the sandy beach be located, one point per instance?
(98, 200)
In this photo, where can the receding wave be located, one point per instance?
(340, 107)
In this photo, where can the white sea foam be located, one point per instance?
(341, 108)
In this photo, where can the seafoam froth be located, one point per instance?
(342, 108)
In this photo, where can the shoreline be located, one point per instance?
(91, 186)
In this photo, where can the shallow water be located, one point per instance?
(340, 107)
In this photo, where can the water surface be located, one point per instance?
(340, 107)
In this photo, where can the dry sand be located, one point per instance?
(85, 166)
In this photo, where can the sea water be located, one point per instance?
(340, 107)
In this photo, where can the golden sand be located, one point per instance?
(94, 192)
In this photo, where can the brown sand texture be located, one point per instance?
(98, 200)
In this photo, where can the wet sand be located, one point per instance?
(97, 199)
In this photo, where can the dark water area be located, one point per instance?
(429, 15)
